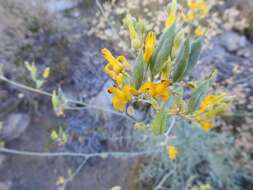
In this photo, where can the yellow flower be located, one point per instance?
(192, 4)
(122, 97)
(116, 188)
(207, 102)
(205, 187)
(123, 61)
(60, 180)
(171, 19)
(199, 31)
(46, 73)
(174, 111)
(203, 7)
(210, 107)
(172, 152)
(113, 64)
(149, 46)
(115, 67)
(158, 90)
(189, 17)
(200, 8)
(119, 79)
(205, 125)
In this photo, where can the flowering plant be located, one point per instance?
(158, 74)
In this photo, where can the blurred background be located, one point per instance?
(67, 35)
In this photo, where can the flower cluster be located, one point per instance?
(116, 66)
(33, 70)
(198, 9)
(122, 96)
(157, 90)
(157, 74)
(212, 106)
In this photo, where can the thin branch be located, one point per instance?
(85, 105)
(73, 154)
(101, 109)
(160, 185)
(3, 78)
(172, 124)
(77, 171)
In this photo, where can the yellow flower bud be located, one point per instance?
(129, 22)
(116, 188)
(149, 46)
(46, 73)
(60, 180)
(205, 187)
(171, 19)
(136, 43)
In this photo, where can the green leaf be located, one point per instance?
(194, 55)
(159, 122)
(181, 61)
(54, 136)
(32, 69)
(163, 50)
(55, 100)
(140, 26)
(39, 83)
(200, 93)
(166, 71)
(140, 126)
(154, 103)
(138, 71)
(179, 38)
(64, 137)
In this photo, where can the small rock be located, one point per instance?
(14, 126)
(247, 53)
(232, 41)
(3, 186)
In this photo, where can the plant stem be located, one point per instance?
(73, 154)
(172, 124)
(85, 105)
(77, 171)
(160, 185)
(3, 78)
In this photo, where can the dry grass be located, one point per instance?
(19, 20)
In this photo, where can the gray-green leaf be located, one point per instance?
(194, 55)
(182, 61)
(159, 122)
(200, 93)
(138, 71)
(163, 50)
